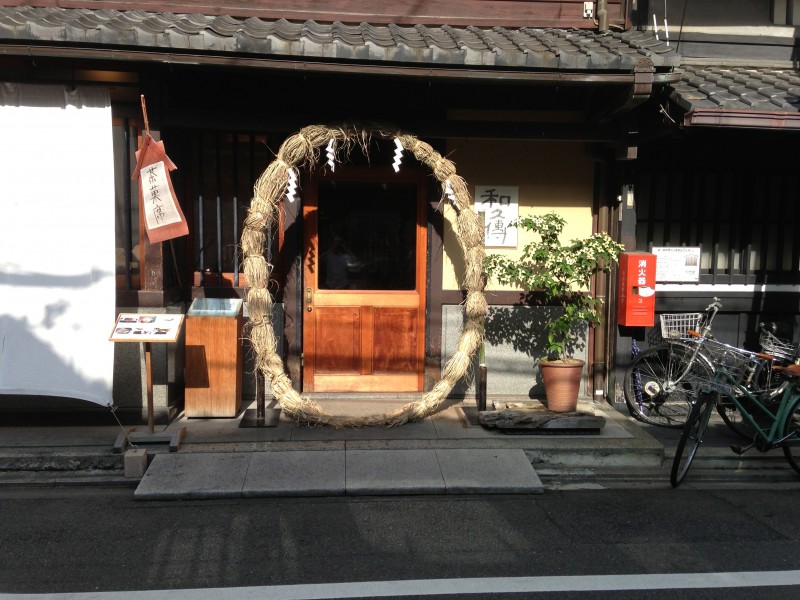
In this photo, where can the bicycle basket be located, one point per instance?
(731, 366)
(776, 347)
(674, 326)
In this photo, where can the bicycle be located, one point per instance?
(654, 389)
(657, 393)
(774, 424)
(769, 383)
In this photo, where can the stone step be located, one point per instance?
(337, 473)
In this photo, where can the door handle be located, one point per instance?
(308, 299)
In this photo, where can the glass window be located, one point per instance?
(367, 235)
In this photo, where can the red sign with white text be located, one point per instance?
(636, 298)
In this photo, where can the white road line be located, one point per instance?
(433, 587)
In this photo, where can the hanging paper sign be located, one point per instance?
(500, 207)
(156, 188)
(164, 218)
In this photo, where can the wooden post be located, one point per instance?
(148, 367)
(261, 392)
(482, 387)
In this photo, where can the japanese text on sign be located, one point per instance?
(642, 275)
(158, 203)
(677, 264)
(500, 206)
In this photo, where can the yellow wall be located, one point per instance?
(550, 175)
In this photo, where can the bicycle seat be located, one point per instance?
(789, 370)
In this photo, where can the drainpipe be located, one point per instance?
(602, 15)
(601, 333)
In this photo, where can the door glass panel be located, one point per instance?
(367, 235)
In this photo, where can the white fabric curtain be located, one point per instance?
(57, 269)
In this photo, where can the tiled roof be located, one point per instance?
(497, 47)
(739, 89)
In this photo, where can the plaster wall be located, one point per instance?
(551, 176)
(512, 346)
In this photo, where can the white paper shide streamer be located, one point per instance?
(448, 191)
(398, 155)
(291, 186)
(330, 152)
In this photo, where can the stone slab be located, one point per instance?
(423, 430)
(393, 472)
(531, 417)
(189, 476)
(250, 418)
(488, 471)
(60, 437)
(296, 473)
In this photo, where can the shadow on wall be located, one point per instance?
(524, 329)
(515, 338)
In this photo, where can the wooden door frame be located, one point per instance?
(310, 252)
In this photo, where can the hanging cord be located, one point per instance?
(144, 115)
(125, 433)
(680, 30)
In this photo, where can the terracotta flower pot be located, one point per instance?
(562, 383)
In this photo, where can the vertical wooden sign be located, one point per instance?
(163, 216)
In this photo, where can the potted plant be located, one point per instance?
(562, 274)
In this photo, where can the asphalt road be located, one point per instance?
(91, 540)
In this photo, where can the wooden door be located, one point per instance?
(364, 283)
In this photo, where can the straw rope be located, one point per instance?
(302, 150)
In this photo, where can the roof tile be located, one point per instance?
(737, 88)
(525, 47)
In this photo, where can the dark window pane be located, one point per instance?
(367, 235)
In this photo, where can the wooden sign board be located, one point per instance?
(147, 327)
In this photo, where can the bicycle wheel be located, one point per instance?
(649, 393)
(791, 447)
(691, 438)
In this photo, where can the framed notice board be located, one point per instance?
(142, 327)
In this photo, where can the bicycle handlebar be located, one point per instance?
(710, 313)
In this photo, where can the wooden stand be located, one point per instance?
(213, 365)
(161, 328)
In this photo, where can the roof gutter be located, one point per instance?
(187, 59)
(743, 119)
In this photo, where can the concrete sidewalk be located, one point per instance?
(445, 453)
(338, 472)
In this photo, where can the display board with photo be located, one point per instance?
(136, 327)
